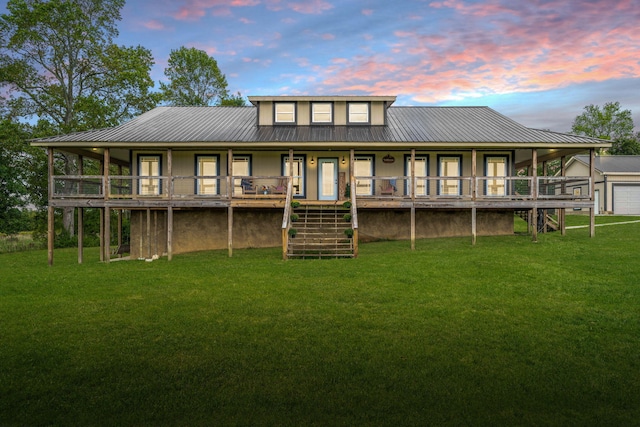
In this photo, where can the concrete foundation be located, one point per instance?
(207, 229)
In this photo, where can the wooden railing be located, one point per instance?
(364, 187)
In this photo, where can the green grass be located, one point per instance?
(506, 332)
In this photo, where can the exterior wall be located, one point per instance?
(604, 184)
(269, 163)
(396, 224)
(206, 229)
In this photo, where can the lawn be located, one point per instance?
(506, 332)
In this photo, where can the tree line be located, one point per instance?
(61, 72)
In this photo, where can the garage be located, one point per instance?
(626, 199)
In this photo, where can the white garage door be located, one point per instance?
(626, 199)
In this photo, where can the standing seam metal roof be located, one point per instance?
(183, 125)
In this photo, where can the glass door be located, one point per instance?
(327, 179)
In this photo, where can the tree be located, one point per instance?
(13, 188)
(194, 79)
(611, 123)
(233, 101)
(58, 62)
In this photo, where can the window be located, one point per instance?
(495, 166)
(149, 166)
(363, 166)
(421, 174)
(298, 174)
(450, 166)
(207, 166)
(321, 112)
(285, 112)
(358, 112)
(242, 168)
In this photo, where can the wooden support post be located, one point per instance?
(80, 235)
(50, 210)
(50, 233)
(474, 172)
(101, 234)
(80, 214)
(592, 190)
(230, 174)
(105, 172)
(534, 191)
(148, 233)
(107, 234)
(562, 213)
(230, 230)
(412, 190)
(140, 239)
(155, 233)
(170, 172)
(169, 233)
(474, 231)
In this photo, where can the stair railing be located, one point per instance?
(286, 218)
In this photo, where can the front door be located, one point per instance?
(327, 179)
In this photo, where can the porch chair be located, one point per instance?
(387, 188)
(281, 188)
(247, 187)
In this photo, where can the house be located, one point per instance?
(196, 178)
(617, 182)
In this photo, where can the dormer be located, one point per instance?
(322, 110)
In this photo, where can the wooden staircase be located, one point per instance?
(320, 233)
(546, 223)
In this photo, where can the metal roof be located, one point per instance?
(468, 126)
(614, 164)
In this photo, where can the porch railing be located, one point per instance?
(366, 187)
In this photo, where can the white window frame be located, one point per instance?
(493, 185)
(358, 112)
(422, 184)
(240, 159)
(149, 185)
(364, 187)
(299, 174)
(449, 187)
(321, 112)
(207, 186)
(285, 112)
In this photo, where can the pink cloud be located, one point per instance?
(246, 21)
(154, 25)
(327, 36)
(367, 12)
(311, 7)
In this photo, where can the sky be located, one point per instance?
(539, 62)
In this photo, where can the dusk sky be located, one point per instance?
(539, 62)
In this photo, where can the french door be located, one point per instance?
(327, 179)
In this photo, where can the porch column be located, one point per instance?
(412, 190)
(474, 231)
(50, 210)
(230, 197)
(592, 192)
(107, 234)
(534, 191)
(107, 211)
(170, 172)
(80, 215)
(120, 213)
(169, 233)
(563, 212)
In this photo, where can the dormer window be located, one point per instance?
(321, 113)
(358, 112)
(285, 112)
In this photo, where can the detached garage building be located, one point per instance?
(617, 188)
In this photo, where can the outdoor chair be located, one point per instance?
(247, 187)
(387, 188)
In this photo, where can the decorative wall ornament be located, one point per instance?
(388, 159)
